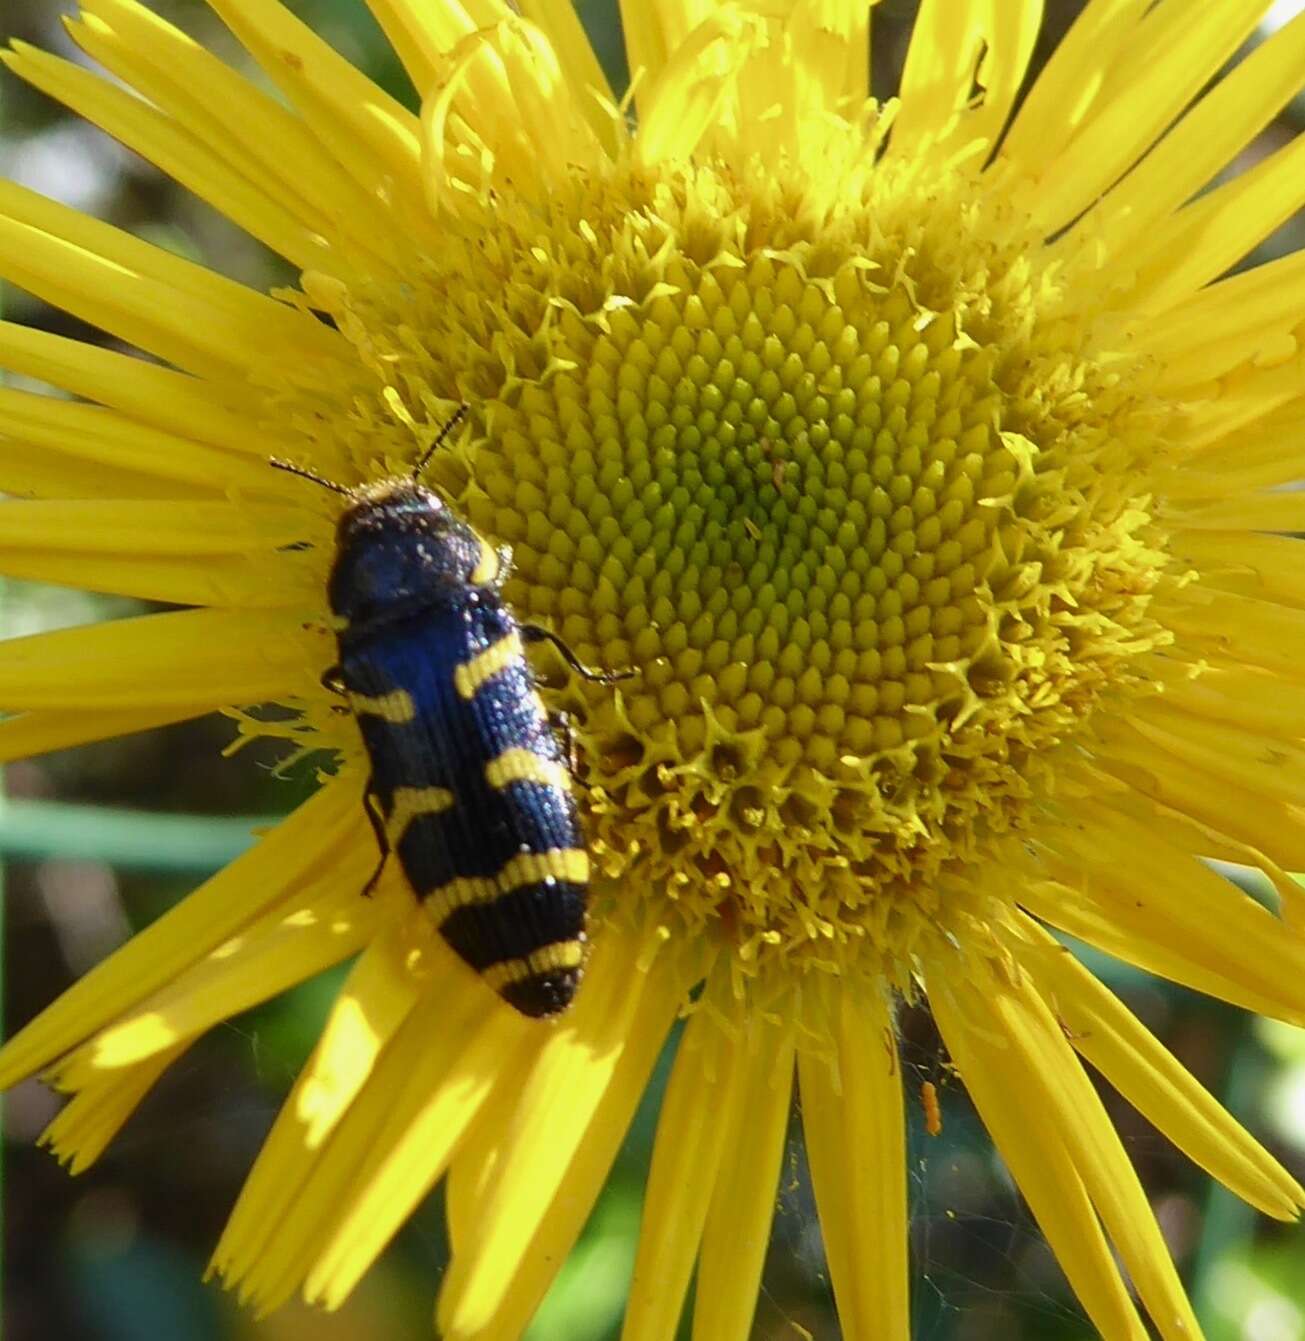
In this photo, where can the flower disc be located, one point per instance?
(866, 521)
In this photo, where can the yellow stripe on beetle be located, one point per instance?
(396, 706)
(409, 802)
(560, 955)
(522, 765)
(527, 868)
(486, 570)
(471, 675)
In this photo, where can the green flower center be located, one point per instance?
(858, 502)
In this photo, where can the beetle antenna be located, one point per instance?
(305, 474)
(458, 416)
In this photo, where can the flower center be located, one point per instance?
(857, 501)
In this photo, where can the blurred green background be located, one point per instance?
(97, 841)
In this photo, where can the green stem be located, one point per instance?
(140, 840)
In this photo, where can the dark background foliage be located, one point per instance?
(98, 841)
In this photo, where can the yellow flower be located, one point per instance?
(915, 455)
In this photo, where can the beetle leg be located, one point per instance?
(536, 633)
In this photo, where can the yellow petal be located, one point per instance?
(1248, 450)
(1272, 767)
(702, 1103)
(1013, 1103)
(375, 140)
(282, 1218)
(1069, 88)
(295, 853)
(537, 136)
(1258, 632)
(1249, 510)
(1009, 34)
(938, 75)
(654, 34)
(202, 658)
(1162, 909)
(855, 1130)
(955, 46)
(582, 73)
(33, 733)
(185, 553)
(172, 401)
(1147, 1074)
(1185, 376)
(560, 1223)
(1258, 510)
(555, 1107)
(1165, 64)
(1240, 465)
(1191, 834)
(1214, 232)
(1243, 815)
(1208, 138)
(683, 102)
(1228, 323)
(423, 34)
(1244, 696)
(31, 470)
(843, 51)
(300, 937)
(244, 127)
(1249, 398)
(1059, 1091)
(81, 1132)
(428, 1117)
(172, 148)
(86, 447)
(169, 306)
(471, 1174)
(737, 1228)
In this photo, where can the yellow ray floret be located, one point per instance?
(370, 135)
(1211, 135)
(171, 307)
(438, 1098)
(1042, 1159)
(299, 850)
(700, 1110)
(736, 1232)
(207, 411)
(196, 553)
(479, 1305)
(95, 1114)
(1112, 1038)
(264, 1254)
(1212, 233)
(564, 1090)
(1162, 67)
(854, 1125)
(219, 112)
(201, 657)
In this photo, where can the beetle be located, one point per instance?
(470, 787)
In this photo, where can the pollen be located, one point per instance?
(858, 499)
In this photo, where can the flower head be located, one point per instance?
(916, 456)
